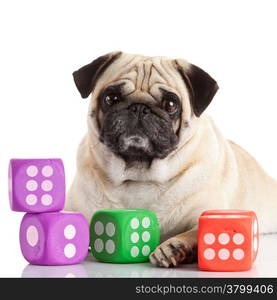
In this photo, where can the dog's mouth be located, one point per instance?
(134, 145)
(137, 147)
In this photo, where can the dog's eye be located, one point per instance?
(111, 99)
(170, 105)
(110, 96)
(170, 102)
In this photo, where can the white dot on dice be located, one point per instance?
(98, 245)
(110, 229)
(238, 238)
(145, 222)
(10, 184)
(32, 171)
(209, 253)
(32, 235)
(31, 185)
(134, 223)
(134, 237)
(47, 171)
(31, 199)
(255, 244)
(209, 238)
(145, 236)
(224, 238)
(98, 228)
(69, 232)
(238, 254)
(134, 251)
(47, 185)
(46, 199)
(145, 250)
(69, 250)
(110, 246)
(255, 227)
(223, 254)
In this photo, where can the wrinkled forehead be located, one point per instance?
(144, 74)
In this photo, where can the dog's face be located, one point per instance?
(137, 126)
(142, 106)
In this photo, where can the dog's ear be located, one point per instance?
(201, 85)
(86, 77)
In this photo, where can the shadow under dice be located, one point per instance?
(227, 240)
(55, 238)
(36, 185)
(124, 235)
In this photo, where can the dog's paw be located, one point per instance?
(173, 252)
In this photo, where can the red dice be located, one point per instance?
(227, 240)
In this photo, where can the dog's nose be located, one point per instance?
(139, 108)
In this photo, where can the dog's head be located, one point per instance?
(142, 106)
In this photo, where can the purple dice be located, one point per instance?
(54, 238)
(47, 236)
(36, 185)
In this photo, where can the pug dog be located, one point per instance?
(150, 145)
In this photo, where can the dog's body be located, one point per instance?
(204, 171)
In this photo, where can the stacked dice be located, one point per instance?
(227, 240)
(48, 236)
(124, 235)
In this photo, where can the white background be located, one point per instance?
(43, 42)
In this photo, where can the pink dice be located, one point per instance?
(47, 236)
(54, 238)
(36, 185)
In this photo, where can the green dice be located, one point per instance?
(124, 235)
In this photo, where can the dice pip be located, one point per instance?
(227, 240)
(255, 227)
(124, 235)
(54, 238)
(36, 185)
